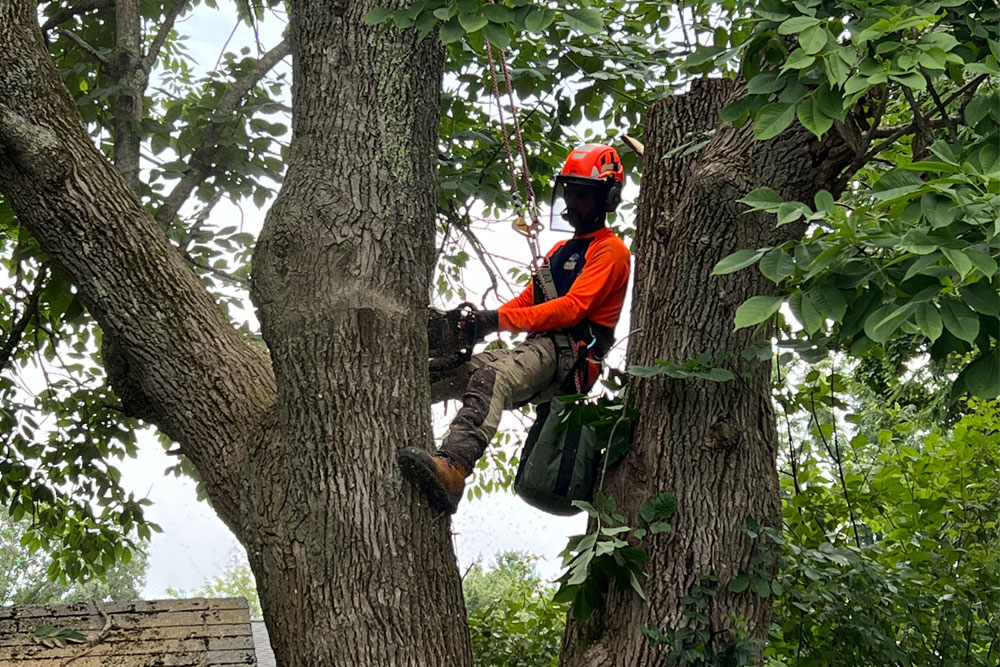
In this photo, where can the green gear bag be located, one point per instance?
(558, 465)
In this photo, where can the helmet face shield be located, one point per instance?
(576, 201)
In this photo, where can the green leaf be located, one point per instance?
(798, 59)
(377, 15)
(587, 20)
(445, 13)
(912, 80)
(791, 211)
(961, 263)
(983, 297)
(829, 301)
(738, 260)
(812, 318)
(497, 34)
(498, 13)
(776, 265)
(813, 39)
(929, 320)
(538, 19)
(660, 508)
(982, 261)
(824, 201)
(812, 118)
(756, 310)
(885, 320)
(982, 376)
(739, 584)
(472, 22)
(797, 24)
(451, 32)
(762, 199)
(772, 120)
(978, 109)
(939, 210)
(960, 320)
(765, 83)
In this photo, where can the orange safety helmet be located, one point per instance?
(596, 165)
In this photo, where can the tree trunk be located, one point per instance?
(711, 444)
(341, 280)
(297, 451)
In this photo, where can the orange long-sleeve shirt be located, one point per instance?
(597, 294)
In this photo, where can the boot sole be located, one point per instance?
(418, 469)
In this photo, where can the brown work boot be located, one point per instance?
(441, 480)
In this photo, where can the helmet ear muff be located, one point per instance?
(613, 196)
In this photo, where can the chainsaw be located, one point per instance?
(451, 336)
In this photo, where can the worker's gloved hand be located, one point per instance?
(487, 322)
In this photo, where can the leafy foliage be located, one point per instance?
(609, 554)
(23, 579)
(889, 551)
(909, 251)
(513, 620)
(693, 643)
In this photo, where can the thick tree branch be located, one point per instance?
(127, 103)
(66, 13)
(203, 159)
(161, 36)
(170, 353)
(14, 338)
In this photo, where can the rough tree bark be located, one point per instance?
(712, 444)
(296, 449)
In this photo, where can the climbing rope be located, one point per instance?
(529, 205)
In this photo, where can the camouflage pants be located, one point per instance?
(491, 382)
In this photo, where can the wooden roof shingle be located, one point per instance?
(197, 632)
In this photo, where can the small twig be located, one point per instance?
(98, 638)
(923, 129)
(897, 131)
(22, 323)
(684, 31)
(970, 87)
(79, 41)
(877, 118)
(952, 133)
(840, 466)
(219, 273)
(202, 159)
(462, 224)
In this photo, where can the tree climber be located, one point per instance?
(569, 331)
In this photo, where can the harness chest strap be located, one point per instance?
(565, 346)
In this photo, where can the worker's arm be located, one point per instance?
(605, 271)
(525, 298)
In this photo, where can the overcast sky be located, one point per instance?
(195, 546)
